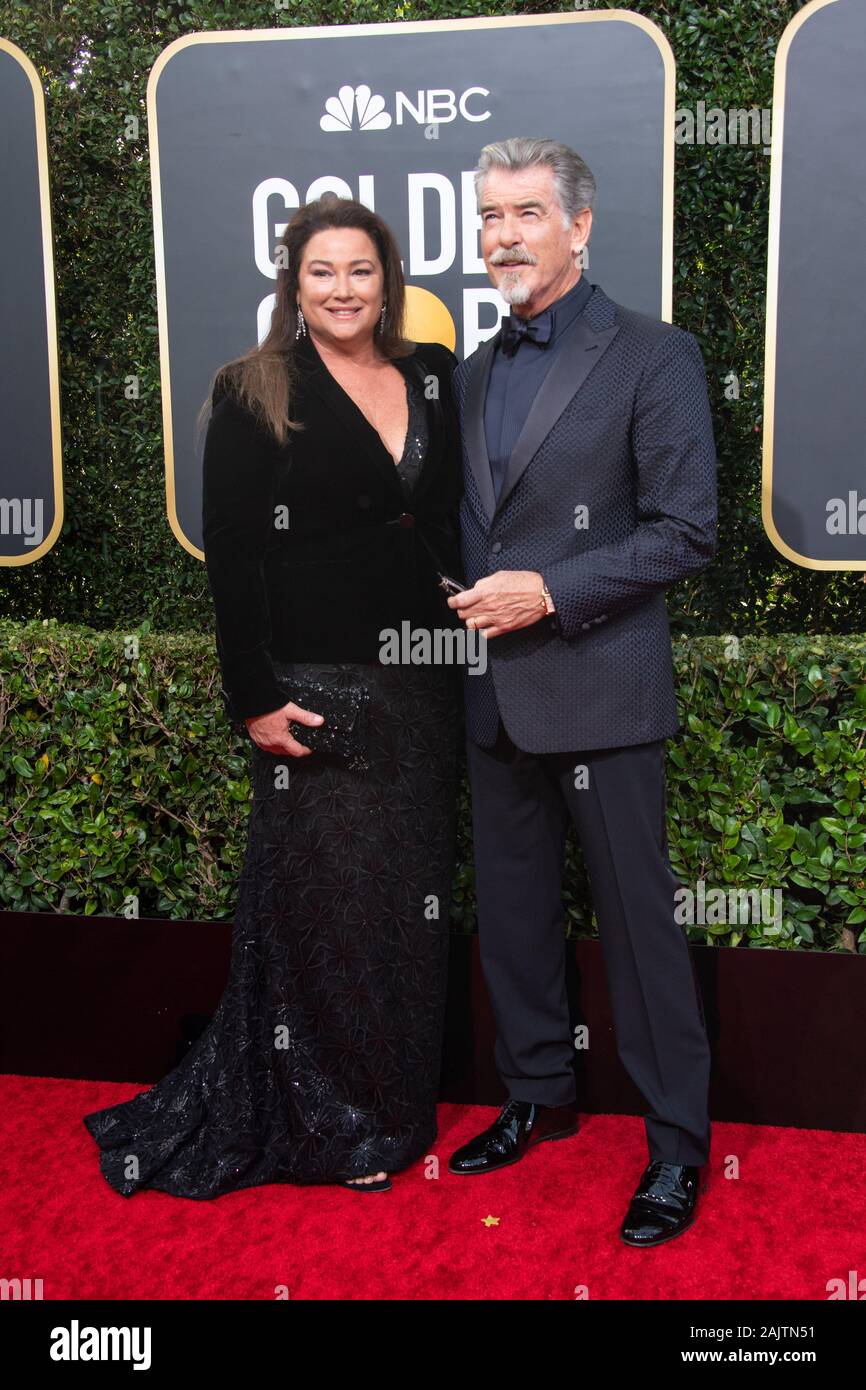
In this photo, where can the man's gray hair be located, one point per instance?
(573, 181)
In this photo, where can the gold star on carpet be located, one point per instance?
(490, 1221)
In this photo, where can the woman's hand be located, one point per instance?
(271, 732)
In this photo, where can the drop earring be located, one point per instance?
(301, 330)
(382, 316)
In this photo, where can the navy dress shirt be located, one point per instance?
(515, 380)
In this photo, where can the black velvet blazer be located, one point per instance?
(311, 548)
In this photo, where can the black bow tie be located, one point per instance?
(515, 329)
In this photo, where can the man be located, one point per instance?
(590, 487)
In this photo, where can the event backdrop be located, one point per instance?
(245, 127)
(814, 492)
(31, 480)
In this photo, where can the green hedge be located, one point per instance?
(121, 779)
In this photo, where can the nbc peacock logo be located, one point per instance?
(355, 108)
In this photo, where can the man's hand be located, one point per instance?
(271, 731)
(501, 602)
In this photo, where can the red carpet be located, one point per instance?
(793, 1219)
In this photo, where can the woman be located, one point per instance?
(330, 490)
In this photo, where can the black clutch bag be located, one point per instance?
(346, 712)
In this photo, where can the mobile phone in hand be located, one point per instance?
(451, 586)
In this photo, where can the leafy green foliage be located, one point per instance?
(121, 779)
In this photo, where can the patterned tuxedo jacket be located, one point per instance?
(610, 492)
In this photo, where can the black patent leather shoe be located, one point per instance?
(663, 1204)
(519, 1126)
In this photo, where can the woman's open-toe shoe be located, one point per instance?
(382, 1185)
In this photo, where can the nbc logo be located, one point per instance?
(356, 108)
(371, 110)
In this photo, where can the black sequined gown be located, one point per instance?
(322, 1059)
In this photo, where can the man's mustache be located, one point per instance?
(512, 260)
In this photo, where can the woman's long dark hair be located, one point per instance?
(264, 377)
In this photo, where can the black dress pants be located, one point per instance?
(521, 806)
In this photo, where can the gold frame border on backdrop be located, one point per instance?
(772, 302)
(41, 132)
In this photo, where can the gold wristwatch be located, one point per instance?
(546, 600)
